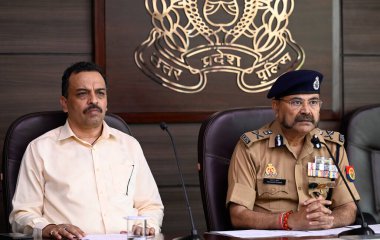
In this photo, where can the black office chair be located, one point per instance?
(362, 132)
(22, 131)
(216, 142)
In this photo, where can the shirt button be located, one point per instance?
(299, 188)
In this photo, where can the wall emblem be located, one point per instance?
(192, 39)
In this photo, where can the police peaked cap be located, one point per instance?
(296, 82)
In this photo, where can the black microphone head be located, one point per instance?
(163, 126)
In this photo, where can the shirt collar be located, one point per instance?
(276, 130)
(66, 132)
(275, 127)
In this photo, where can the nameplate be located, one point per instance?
(274, 181)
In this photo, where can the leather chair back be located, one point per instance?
(22, 131)
(216, 142)
(363, 149)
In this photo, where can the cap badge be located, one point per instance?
(316, 83)
(270, 171)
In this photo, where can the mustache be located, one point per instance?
(305, 117)
(93, 106)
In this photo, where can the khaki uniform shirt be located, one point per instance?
(63, 179)
(265, 176)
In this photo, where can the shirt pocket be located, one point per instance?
(271, 191)
(124, 176)
(272, 196)
(319, 186)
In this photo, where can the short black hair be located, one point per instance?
(77, 68)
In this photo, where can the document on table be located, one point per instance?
(284, 233)
(106, 237)
(119, 237)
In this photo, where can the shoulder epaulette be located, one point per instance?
(256, 135)
(332, 136)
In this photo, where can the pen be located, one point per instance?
(133, 168)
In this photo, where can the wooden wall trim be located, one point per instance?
(170, 117)
(99, 33)
(192, 117)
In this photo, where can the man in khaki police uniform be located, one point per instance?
(279, 179)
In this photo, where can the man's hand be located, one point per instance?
(137, 230)
(312, 214)
(61, 231)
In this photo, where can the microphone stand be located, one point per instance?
(364, 229)
(194, 233)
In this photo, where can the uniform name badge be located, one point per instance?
(270, 175)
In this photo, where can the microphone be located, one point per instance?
(364, 229)
(194, 233)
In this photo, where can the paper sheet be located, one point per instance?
(106, 237)
(283, 233)
(118, 237)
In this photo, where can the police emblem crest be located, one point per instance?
(270, 171)
(193, 39)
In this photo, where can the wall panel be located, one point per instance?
(361, 23)
(159, 152)
(44, 26)
(362, 81)
(176, 219)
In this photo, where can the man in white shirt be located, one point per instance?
(84, 177)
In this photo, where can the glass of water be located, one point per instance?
(134, 222)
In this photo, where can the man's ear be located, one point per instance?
(275, 106)
(63, 102)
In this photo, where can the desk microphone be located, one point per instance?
(364, 229)
(194, 233)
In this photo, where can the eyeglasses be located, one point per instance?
(298, 103)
